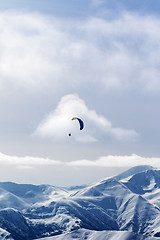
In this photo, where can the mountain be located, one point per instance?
(125, 207)
(100, 235)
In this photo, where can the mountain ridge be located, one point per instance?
(127, 204)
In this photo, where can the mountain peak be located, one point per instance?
(132, 171)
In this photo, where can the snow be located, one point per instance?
(94, 235)
(126, 206)
(5, 235)
(132, 171)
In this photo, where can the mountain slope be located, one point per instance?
(127, 204)
(16, 224)
(84, 234)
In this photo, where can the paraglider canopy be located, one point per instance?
(81, 124)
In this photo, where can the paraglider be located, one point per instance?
(81, 124)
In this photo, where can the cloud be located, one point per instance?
(27, 162)
(117, 161)
(39, 51)
(58, 123)
(127, 57)
(36, 52)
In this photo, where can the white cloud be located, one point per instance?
(58, 123)
(117, 161)
(35, 50)
(38, 50)
(27, 162)
(127, 57)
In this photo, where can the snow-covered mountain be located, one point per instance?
(124, 207)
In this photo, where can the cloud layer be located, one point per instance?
(26, 162)
(29, 162)
(117, 161)
(37, 51)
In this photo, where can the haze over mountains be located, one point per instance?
(126, 206)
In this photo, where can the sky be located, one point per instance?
(93, 59)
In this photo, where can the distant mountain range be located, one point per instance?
(124, 207)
